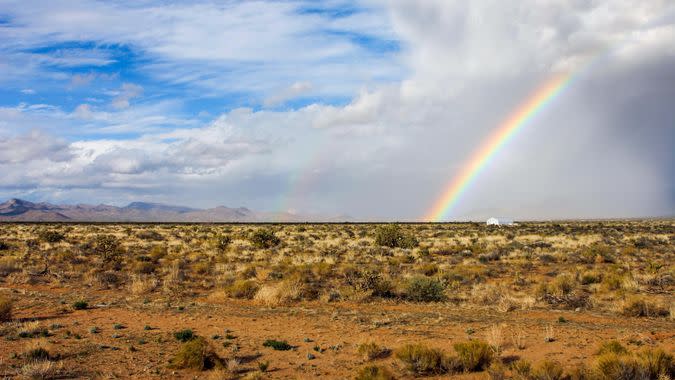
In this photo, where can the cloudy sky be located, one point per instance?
(365, 108)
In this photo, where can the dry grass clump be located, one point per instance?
(196, 354)
(474, 355)
(243, 289)
(41, 370)
(281, 293)
(37, 350)
(648, 364)
(374, 372)
(143, 285)
(371, 351)
(637, 306)
(6, 306)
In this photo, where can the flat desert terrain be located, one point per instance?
(555, 300)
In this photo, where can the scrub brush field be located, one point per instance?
(553, 300)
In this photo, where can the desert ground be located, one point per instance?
(553, 300)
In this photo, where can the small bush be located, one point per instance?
(196, 354)
(563, 285)
(613, 347)
(474, 355)
(372, 350)
(656, 363)
(243, 289)
(3, 246)
(374, 372)
(393, 237)
(51, 236)
(425, 289)
(263, 366)
(38, 353)
(221, 242)
(80, 305)
(150, 235)
(547, 370)
(422, 360)
(612, 366)
(264, 239)
(108, 248)
(639, 307)
(278, 345)
(184, 335)
(6, 306)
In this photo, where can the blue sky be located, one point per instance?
(366, 108)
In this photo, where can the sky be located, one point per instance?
(339, 107)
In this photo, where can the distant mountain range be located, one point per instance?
(17, 210)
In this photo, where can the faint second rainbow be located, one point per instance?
(491, 145)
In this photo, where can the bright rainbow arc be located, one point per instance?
(491, 146)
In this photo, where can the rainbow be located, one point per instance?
(493, 143)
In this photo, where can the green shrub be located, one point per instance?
(196, 354)
(425, 289)
(243, 289)
(184, 335)
(80, 305)
(263, 366)
(6, 306)
(278, 345)
(221, 242)
(393, 237)
(264, 239)
(374, 372)
(474, 355)
(108, 248)
(422, 360)
(51, 236)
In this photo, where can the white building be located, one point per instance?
(499, 222)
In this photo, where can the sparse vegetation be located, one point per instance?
(462, 281)
(374, 372)
(279, 345)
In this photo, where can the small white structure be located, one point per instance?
(499, 222)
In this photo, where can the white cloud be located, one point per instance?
(600, 149)
(293, 91)
(127, 92)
